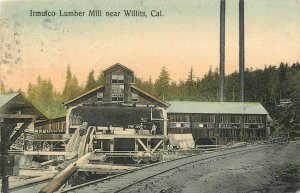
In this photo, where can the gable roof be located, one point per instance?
(216, 107)
(13, 102)
(120, 65)
(82, 95)
(4, 98)
(149, 95)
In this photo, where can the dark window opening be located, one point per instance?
(117, 78)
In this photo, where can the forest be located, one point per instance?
(267, 86)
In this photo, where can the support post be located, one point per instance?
(18, 133)
(222, 50)
(4, 153)
(241, 48)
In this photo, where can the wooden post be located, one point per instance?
(4, 153)
(111, 141)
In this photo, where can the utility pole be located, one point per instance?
(222, 50)
(241, 48)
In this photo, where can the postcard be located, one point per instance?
(150, 95)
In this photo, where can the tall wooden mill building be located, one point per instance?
(119, 88)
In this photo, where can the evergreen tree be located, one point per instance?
(2, 87)
(71, 87)
(67, 92)
(208, 87)
(161, 85)
(174, 93)
(191, 86)
(232, 87)
(101, 79)
(145, 85)
(41, 95)
(283, 74)
(91, 82)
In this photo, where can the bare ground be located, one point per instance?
(273, 170)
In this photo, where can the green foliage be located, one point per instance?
(71, 87)
(147, 85)
(42, 96)
(190, 86)
(90, 82)
(2, 87)
(101, 79)
(161, 86)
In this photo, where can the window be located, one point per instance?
(134, 97)
(203, 125)
(117, 78)
(203, 118)
(179, 125)
(179, 118)
(253, 119)
(117, 88)
(230, 119)
(117, 97)
(99, 96)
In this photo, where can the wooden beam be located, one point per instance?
(157, 145)
(18, 133)
(143, 145)
(17, 116)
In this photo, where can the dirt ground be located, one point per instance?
(273, 170)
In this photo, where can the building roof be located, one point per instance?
(4, 98)
(216, 107)
(120, 65)
(101, 86)
(13, 102)
(149, 95)
(82, 95)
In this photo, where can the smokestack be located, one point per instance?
(241, 48)
(222, 50)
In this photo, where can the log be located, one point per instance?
(60, 179)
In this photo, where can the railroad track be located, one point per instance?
(124, 181)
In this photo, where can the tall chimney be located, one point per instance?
(222, 50)
(241, 48)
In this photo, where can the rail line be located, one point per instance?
(121, 182)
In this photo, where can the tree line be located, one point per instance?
(267, 86)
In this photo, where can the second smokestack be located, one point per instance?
(222, 50)
(241, 48)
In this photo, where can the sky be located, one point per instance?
(187, 35)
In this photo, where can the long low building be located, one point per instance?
(218, 122)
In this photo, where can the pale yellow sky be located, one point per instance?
(187, 35)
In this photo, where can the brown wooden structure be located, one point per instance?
(14, 110)
(118, 88)
(218, 122)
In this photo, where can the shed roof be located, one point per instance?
(11, 103)
(83, 94)
(150, 96)
(216, 107)
(5, 98)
